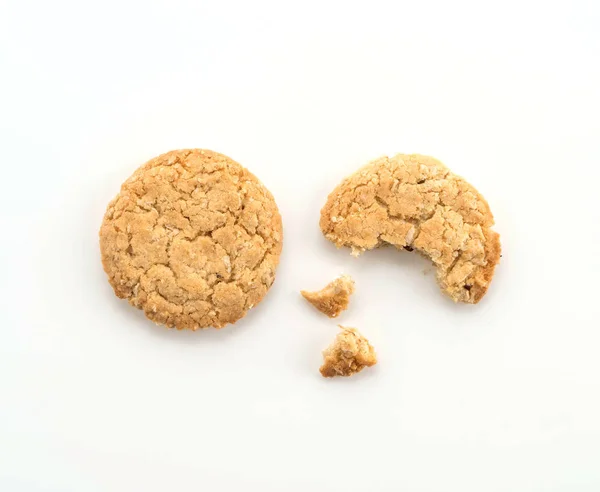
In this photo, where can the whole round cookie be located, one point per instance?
(193, 239)
(415, 202)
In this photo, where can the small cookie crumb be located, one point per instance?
(333, 298)
(349, 353)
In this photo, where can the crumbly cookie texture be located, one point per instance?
(333, 298)
(415, 202)
(349, 353)
(193, 239)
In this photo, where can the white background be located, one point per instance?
(502, 396)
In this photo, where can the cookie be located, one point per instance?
(415, 202)
(333, 298)
(193, 239)
(349, 353)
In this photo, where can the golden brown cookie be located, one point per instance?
(333, 298)
(349, 353)
(193, 239)
(415, 202)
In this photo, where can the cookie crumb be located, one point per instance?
(349, 353)
(333, 298)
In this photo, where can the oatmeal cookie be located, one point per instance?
(415, 202)
(349, 353)
(333, 298)
(193, 239)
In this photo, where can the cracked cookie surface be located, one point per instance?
(349, 353)
(415, 202)
(333, 298)
(193, 239)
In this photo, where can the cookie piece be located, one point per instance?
(415, 202)
(193, 239)
(349, 353)
(333, 298)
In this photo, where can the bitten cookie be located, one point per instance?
(349, 353)
(193, 239)
(415, 202)
(333, 298)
